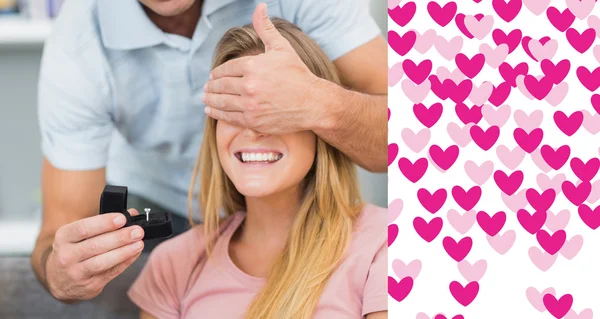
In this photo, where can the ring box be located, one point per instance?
(158, 225)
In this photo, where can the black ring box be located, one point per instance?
(114, 200)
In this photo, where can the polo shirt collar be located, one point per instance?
(124, 24)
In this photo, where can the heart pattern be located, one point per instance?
(494, 158)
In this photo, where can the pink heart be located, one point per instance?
(393, 3)
(416, 142)
(461, 223)
(479, 28)
(502, 243)
(403, 270)
(479, 174)
(395, 74)
(536, 7)
(581, 8)
(529, 122)
(595, 194)
(558, 221)
(494, 57)
(544, 182)
(515, 201)
(520, 81)
(448, 49)
(511, 159)
(594, 23)
(597, 52)
(425, 41)
(421, 315)
(460, 136)
(543, 51)
(496, 116)
(416, 92)
(482, 93)
(584, 314)
(557, 94)
(535, 297)
(591, 122)
(541, 259)
(456, 76)
(572, 247)
(472, 272)
(394, 209)
(539, 161)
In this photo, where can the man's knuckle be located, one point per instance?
(63, 259)
(248, 66)
(81, 230)
(249, 87)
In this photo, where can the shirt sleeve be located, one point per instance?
(375, 296)
(155, 290)
(73, 105)
(337, 26)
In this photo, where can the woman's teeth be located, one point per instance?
(260, 157)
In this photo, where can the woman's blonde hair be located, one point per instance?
(331, 203)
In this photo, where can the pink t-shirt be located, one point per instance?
(177, 282)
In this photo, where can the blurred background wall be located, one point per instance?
(21, 43)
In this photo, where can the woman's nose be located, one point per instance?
(253, 134)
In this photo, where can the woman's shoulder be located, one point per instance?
(372, 221)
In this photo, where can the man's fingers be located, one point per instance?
(133, 212)
(101, 263)
(113, 272)
(226, 85)
(232, 68)
(235, 118)
(266, 31)
(224, 102)
(106, 242)
(90, 227)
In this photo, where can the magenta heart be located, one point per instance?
(464, 295)
(432, 202)
(392, 233)
(413, 171)
(551, 243)
(442, 15)
(507, 10)
(457, 250)
(581, 42)
(560, 20)
(399, 290)
(558, 308)
(568, 124)
(590, 217)
(512, 39)
(402, 44)
(531, 223)
(585, 171)
(491, 225)
(508, 184)
(540, 202)
(392, 153)
(428, 231)
(466, 199)
(555, 158)
(417, 73)
(596, 102)
(403, 14)
(444, 159)
(509, 74)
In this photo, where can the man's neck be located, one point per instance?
(183, 24)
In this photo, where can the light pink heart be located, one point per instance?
(535, 297)
(395, 74)
(591, 122)
(594, 23)
(558, 221)
(393, 3)
(482, 93)
(456, 76)
(537, 158)
(529, 122)
(557, 94)
(515, 201)
(461, 223)
(595, 194)
(416, 92)
(472, 272)
(416, 142)
(597, 52)
(584, 314)
(545, 182)
(403, 270)
(543, 51)
(460, 136)
(496, 116)
(581, 8)
(479, 28)
(572, 247)
(536, 7)
(421, 315)
(510, 158)
(425, 41)
(448, 49)
(494, 57)
(541, 259)
(479, 174)
(394, 210)
(502, 243)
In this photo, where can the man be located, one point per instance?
(135, 76)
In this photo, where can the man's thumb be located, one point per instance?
(266, 30)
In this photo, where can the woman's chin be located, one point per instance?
(255, 190)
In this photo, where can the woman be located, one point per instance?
(296, 240)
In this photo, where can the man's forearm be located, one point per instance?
(39, 255)
(355, 123)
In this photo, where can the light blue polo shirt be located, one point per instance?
(117, 92)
